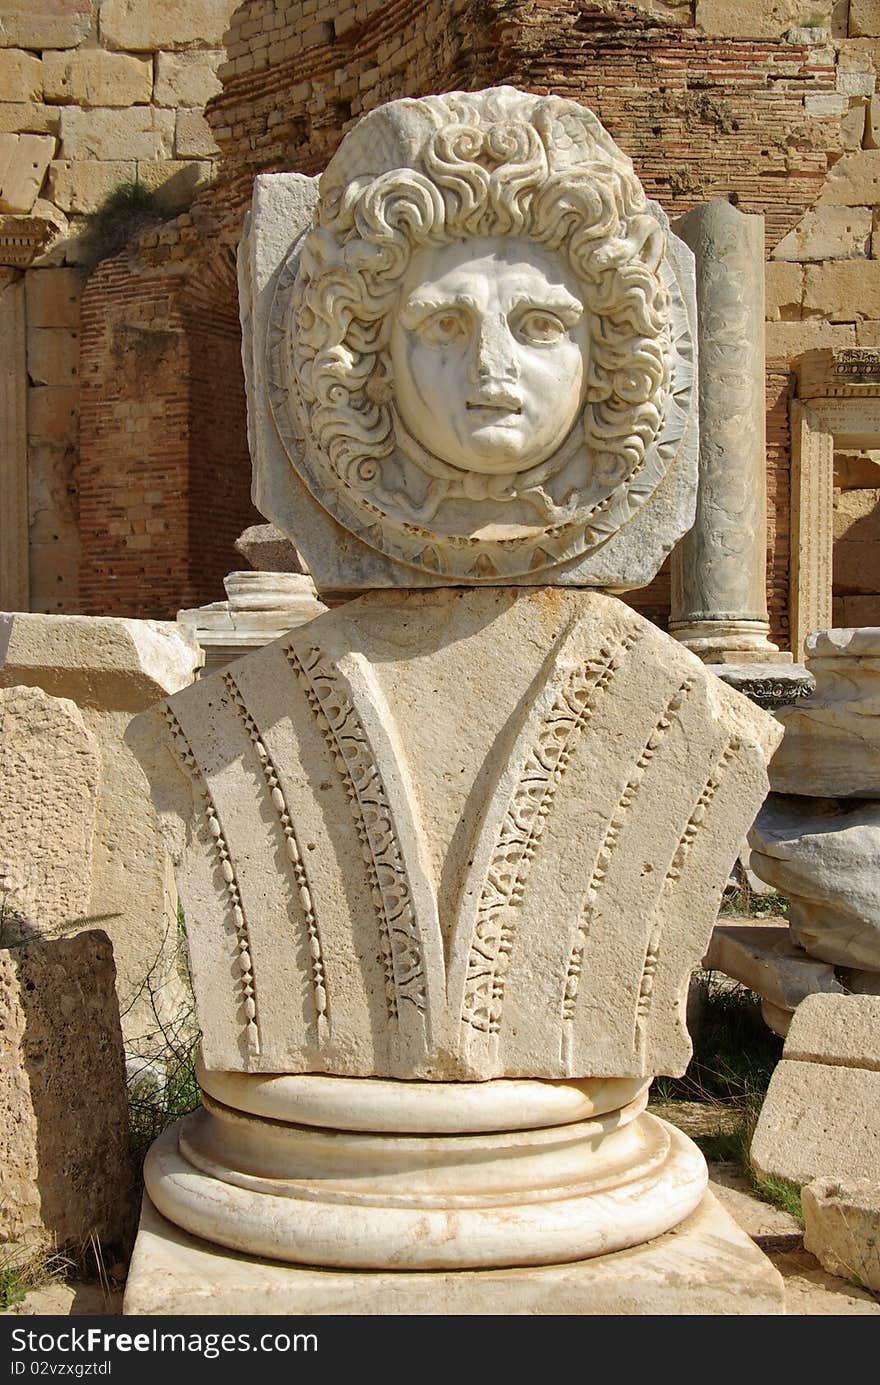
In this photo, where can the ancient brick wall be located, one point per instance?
(134, 440)
(164, 473)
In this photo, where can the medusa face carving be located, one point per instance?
(489, 349)
(476, 341)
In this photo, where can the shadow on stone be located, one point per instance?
(63, 1104)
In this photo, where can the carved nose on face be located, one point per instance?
(495, 354)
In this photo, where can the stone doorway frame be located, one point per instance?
(14, 582)
(837, 405)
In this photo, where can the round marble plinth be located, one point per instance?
(354, 1198)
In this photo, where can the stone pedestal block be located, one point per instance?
(260, 607)
(110, 669)
(50, 772)
(831, 747)
(706, 1265)
(821, 1116)
(63, 1104)
(842, 1227)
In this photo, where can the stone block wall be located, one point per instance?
(93, 94)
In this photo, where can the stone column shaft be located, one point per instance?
(719, 602)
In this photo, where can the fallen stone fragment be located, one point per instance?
(842, 1227)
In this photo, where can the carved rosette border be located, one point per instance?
(329, 697)
(676, 866)
(603, 861)
(233, 894)
(521, 829)
(294, 856)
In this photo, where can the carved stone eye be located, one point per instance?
(540, 327)
(441, 329)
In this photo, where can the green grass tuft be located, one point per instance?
(126, 211)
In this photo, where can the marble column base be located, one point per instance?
(532, 1173)
(729, 641)
(705, 1266)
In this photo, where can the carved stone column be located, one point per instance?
(719, 603)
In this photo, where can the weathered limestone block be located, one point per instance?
(823, 854)
(268, 550)
(401, 511)
(64, 24)
(14, 584)
(762, 957)
(92, 77)
(187, 78)
(148, 25)
(863, 19)
(174, 181)
(24, 160)
(142, 132)
(53, 411)
(50, 769)
(784, 289)
(854, 181)
(63, 1104)
(53, 297)
(842, 1227)
(843, 290)
(786, 341)
(111, 669)
(832, 739)
(852, 127)
(828, 233)
(758, 19)
(536, 809)
(82, 185)
(821, 1115)
(193, 138)
(52, 355)
(32, 118)
(21, 75)
(843, 1032)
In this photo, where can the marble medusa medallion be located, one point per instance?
(480, 361)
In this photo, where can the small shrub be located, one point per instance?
(162, 1084)
(734, 1051)
(744, 902)
(126, 211)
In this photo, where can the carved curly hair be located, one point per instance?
(478, 176)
